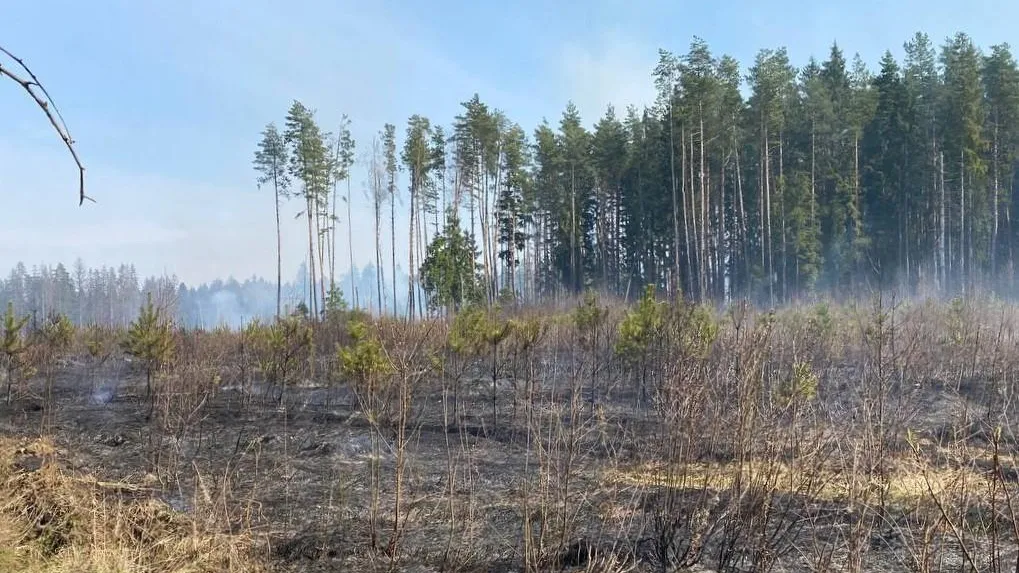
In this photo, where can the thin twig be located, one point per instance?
(49, 107)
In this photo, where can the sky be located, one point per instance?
(166, 99)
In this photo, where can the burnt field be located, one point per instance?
(654, 438)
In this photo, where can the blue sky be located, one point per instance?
(167, 98)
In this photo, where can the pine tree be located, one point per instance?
(513, 216)
(609, 151)
(476, 133)
(862, 105)
(345, 161)
(666, 83)
(80, 290)
(389, 147)
(547, 196)
(437, 164)
(732, 110)
(922, 83)
(377, 177)
(309, 164)
(575, 207)
(771, 79)
(416, 158)
(885, 197)
(700, 104)
(12, 346)
(271, 165)
(150, 340)
(1001, 89)
(962, 120)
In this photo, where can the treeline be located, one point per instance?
(826, 176)
(105, 295)
(114, 295)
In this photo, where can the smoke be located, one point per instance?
(234, 304)
(227, 308)
(229, 303)
(103, 394)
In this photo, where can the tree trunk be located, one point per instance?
(943, 242)
(513, 255)
(321, 263)
(686, 220)
(695, 264)
(906, 218)
(493, 228)
(410, 249)
(675, 202)
(1009, 234)
(702, 175)
(332, 232)
(392, 234)
(279, 246)
(421, 242)
(767, 203)
(350, 249)
(994, 203)
(813, 166)
(379, 276)
(857, 258)
(744, 231)
(962, 220)
(724, 242)
(573, 228)
(312, 302)
(617, 232)
(781, 200)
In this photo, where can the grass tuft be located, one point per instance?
(52, 521)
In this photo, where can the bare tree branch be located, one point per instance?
(49, 107)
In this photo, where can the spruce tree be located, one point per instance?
(449, 273)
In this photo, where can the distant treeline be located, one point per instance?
(113, 295)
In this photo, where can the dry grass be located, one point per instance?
(53, 521)
(906, 484)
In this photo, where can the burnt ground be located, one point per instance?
(298, 477)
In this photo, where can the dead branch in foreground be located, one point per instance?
(49, 107)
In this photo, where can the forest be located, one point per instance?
(772, 182)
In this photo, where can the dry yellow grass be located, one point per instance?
(906, 483)
(54, 522)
